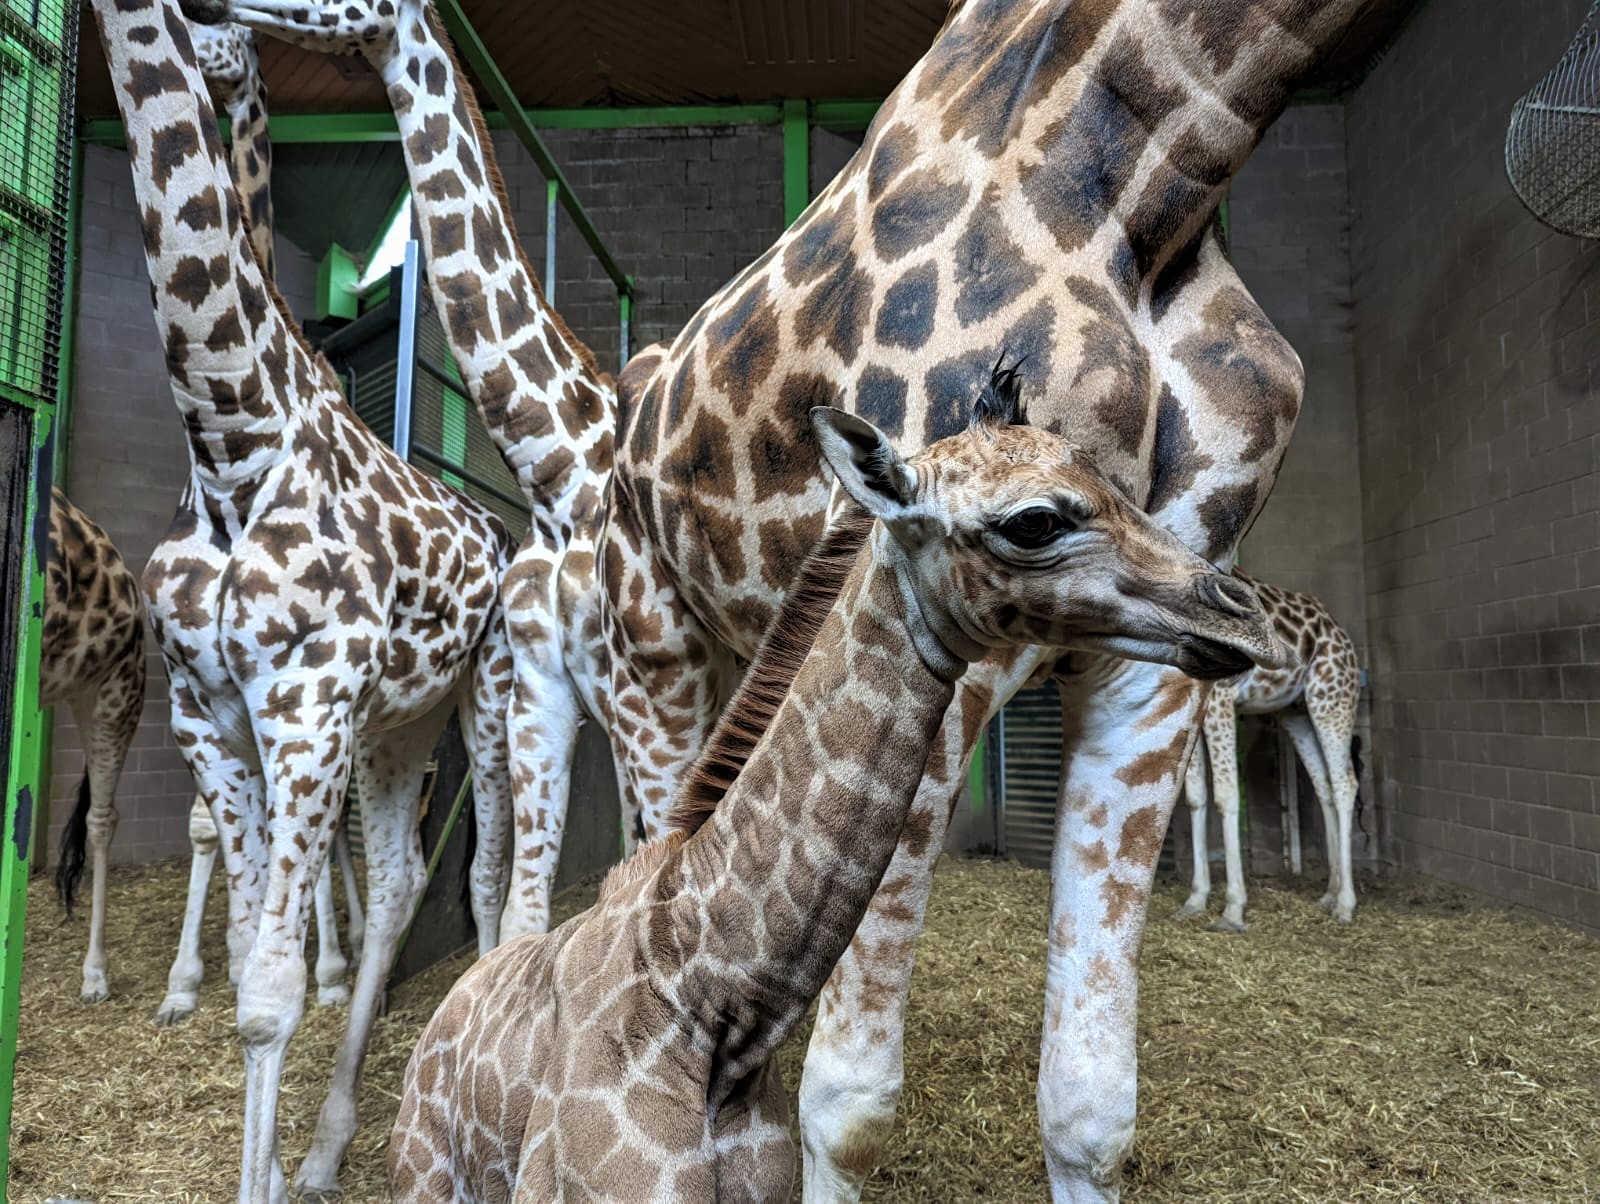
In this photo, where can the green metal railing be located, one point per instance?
(38, 56)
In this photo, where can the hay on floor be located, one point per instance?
(1437, 1050)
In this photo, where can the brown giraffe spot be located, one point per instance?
(744, 348)
(1242, 363)
(1093, 857)
(429, 140)
(881, 399)
(1119, 899)
(1114, 364)
(1225, 512)
(837, 309)
(1177, 460)
(1141, 836)
(1150, 767)
(915, 213)
(202, 212)
(906, 317)
(893, 150)
(705, 465)
(817, 245)
(990, 269)
(449, 233)
(1171, 696)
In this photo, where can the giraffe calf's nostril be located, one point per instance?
(1227, 595)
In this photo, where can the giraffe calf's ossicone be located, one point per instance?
(628, 1054)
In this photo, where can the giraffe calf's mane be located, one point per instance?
(788, 642)
(640, 865)
(497, 182)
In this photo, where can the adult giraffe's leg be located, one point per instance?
(1334, 735)
(230, 791)
(352, 887)
(331, 965)
(109, 719)
(1303, 734)
(482, 698)
(306, 759)
(1196, 792)
(1223, 749)
(389, 770)
(669, 675)
(542, 723)
(1128, 729)
(183, 980)
(855, 1063)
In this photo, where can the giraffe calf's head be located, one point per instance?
(1010, 535)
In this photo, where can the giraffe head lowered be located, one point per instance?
(1016, 537)
(627, 1054)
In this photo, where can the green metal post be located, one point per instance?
(796, 160)
(625, 333)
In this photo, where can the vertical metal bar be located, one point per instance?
(796, 160)
(551, 212)
(997, 730)
(405, 376)
(626, 303)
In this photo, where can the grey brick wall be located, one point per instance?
(1477, 334)
(127, 467)
(682, 210)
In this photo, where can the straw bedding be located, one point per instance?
(1439, 1050)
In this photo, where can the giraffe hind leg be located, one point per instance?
(183, 980)
(1196, 793)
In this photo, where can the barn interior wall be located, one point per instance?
(127, 467)
(682, 210)
(1477, 336)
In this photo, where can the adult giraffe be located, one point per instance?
(226, 56)
(1043, 182)
(320, 603)
(550, 410)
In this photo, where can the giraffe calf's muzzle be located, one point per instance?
(1240, 636)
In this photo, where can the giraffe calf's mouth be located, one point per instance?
(1209, 660)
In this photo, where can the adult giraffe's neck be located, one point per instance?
(240, 373)
(1138, 110)
(774, 885)
(547, 406)
(250, 152)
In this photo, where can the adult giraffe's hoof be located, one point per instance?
(333, 997)
(318, 1195)
(1345, 915)
(177, 1007)
(1327, 902)
(94, 993)
(1224, 924)
(1189, 910)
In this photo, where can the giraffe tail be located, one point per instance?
(1355, 763)
(74, 848)
(468, 852)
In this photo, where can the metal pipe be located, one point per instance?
(552, 197)
(796, 160)
(623, 338)
(406, 363)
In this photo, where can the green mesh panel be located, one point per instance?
(37, 51)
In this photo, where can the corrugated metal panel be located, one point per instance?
(1030, 739)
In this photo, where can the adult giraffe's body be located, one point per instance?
(1043, 183)
(321, 604)
(544, 401)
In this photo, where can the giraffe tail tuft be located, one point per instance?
(1355, 763)
(74, 848)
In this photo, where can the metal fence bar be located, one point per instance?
(552, 199)
(428, 456)
(406, 364)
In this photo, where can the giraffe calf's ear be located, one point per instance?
(872, 472)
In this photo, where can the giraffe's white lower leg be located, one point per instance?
(542, 725)
(1126, 734)
(390, 768)
(183, 980)
(1196, 793)
(332, 990)
(102, 826)
(357, 929)
(272, 988)
(1339, 844)
(1232, 917)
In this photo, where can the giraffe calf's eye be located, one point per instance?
(1034, 527)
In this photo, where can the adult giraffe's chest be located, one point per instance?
(1186, 400)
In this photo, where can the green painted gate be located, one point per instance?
(38, 54)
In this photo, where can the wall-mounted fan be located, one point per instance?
(1553, 142)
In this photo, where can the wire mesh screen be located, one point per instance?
(1553, 141)
(38, 49)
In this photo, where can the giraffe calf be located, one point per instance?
(627, 1055)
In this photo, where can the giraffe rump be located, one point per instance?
(74, 848)
(747, 717)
